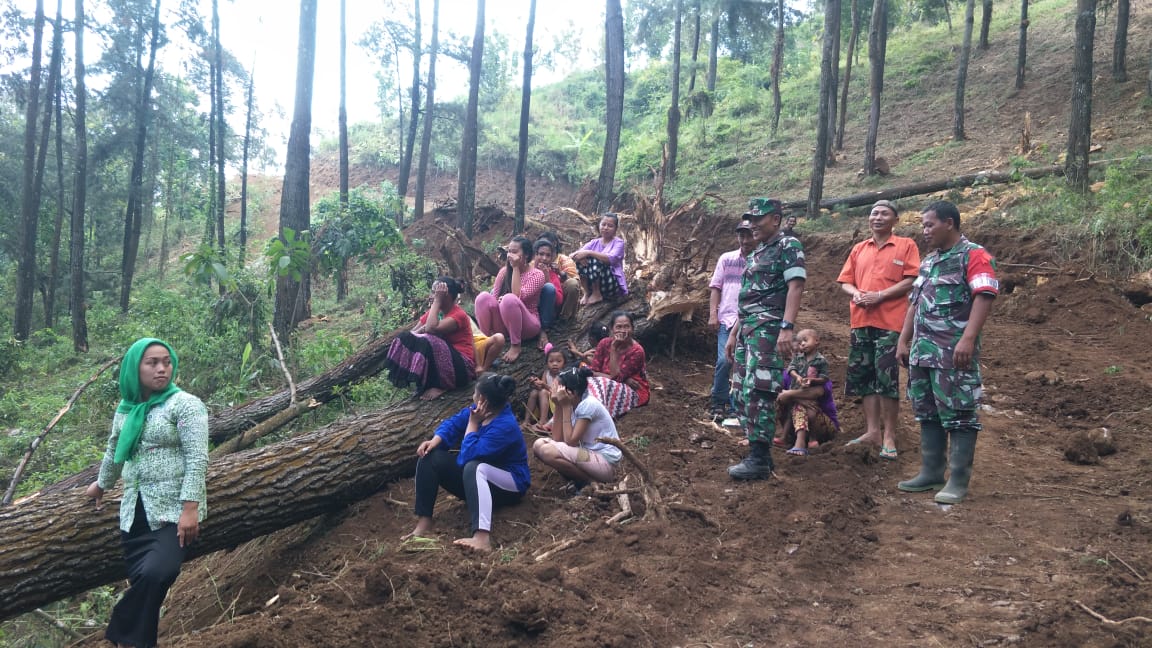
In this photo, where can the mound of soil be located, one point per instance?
(829, 553)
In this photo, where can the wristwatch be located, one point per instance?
(785, 325)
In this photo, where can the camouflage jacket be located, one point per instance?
(942, 297)
(764, 286)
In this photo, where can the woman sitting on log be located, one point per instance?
(438, 354)
(491, 468)
(512, 307)
(581, 419)
(621, 378)
(601, 264)
(159, 443)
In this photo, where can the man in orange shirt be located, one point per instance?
(878, 275)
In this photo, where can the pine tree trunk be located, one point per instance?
(1080, 128)
(829, 158)
(169, 212)
(713, 49)
(852, 39)
(293, 298)
(133, 212)
(414, 111)
(777, 65)
(614, 99)
(76, 304)
(52, 111)
(823, 120)
(54, 278)
(1022, 51)
(985, 23)
(221, 195)
(29, 193)
(466, 184)
(673, 127)
(877, 45)
(429, 105)
(695, 46)
(243, 251)
(1120, 46)
(962, 72)
(342, 121)
(525, 109)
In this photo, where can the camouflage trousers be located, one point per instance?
(946, 395)
(757, 376)
(872, 366)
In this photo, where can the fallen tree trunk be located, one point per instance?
(55, 545)
(932, 186)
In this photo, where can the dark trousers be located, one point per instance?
(438, 469)
(153, 559)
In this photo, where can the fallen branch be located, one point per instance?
(1130, 567)
(556, 548)
(653, 503)
(283, 366)
(692, 510)
(57, 624)
(19, 473)
(249, 437)
(625, 505)
(1106, 621)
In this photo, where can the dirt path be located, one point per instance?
(831, 554)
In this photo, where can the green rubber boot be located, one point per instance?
(959, 466)
(757, 465)
(933, 443)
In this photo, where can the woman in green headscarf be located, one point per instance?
(159, 443)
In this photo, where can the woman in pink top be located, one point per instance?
(512, 307)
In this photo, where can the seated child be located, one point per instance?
(539, 406)
(805, 410)
(487, 347)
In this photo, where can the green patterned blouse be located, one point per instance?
(169, 465)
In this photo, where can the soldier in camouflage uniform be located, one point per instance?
(940, 345)
(768, 304)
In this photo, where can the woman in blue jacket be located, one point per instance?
(491, 468)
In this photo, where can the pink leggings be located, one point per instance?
(592, 464)
(507, 315)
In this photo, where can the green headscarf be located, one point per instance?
(134, 409)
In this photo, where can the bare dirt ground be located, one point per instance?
(829, 554)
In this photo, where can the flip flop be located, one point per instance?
(888, 453)
(798, 452)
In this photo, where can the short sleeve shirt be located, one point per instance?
(942, 298)
(727, 278)
(764, 286)
(600, 425)
(614, 250)
(872, 268)
(461, 338)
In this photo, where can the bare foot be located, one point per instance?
(584, 301)
(543, 341)
(480, 369)
(743, 441)
(864, 438)
(512, 354)
(812, 445)
(478, 543)
(423, 526)
(593, 300)
(431, 393)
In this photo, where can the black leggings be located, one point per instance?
(438, 469)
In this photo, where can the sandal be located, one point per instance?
(888, 453)
(798, 452)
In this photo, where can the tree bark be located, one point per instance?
(218, 186)
(242, 252)
(830, 158)
(56, 113)
(713, 49)
(855, 35)
(76, 305)
(426, 136)
(823, 120)
(342, 116)
(525, 110)
(1022, 50)
(777, 65)
(1120, 45)
(133, 213)
(614, 99)
(962, 72)
(466, 185)
(293, 298)
(29, 194)
(877, 45)
(1080, 128)
(414, 111)
(985, 23)
(695, 46)
(674, 107)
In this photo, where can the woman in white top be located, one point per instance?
(581, 419)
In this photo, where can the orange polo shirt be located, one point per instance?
(871, 269)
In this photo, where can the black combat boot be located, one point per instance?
(757, 465)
